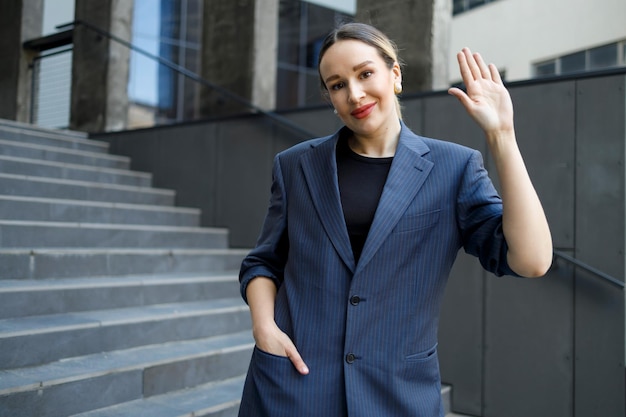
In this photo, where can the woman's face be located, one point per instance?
(360, 86)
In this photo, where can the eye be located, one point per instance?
(366, 74)
(337, 86)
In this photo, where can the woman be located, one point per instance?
(345, 283)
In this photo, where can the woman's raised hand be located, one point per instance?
(486, 98)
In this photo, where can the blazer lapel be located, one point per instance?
(408, 172)
(320, 170)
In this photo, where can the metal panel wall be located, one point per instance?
(599, 342)
(529, 323)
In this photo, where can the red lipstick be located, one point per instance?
(363, 111)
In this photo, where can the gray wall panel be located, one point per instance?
(545, 128)
(319, 121)
(413, 114)
(461, 335)
(243, 160)
(446, 119)
(528, 347)
(599, 348)
(600, 173)
(600, 242)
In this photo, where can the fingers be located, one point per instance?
(473, 67)
(482, 67)
(464, 67)
(470, 65)
(296, 360)
(274, 341)
(462, 97)
(495, 74)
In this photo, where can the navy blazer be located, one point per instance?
(367, 330)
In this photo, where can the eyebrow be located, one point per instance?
(355, 68)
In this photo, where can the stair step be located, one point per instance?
(52, 153)
(28, 234)
(54, 209)
(22, 185)
(48, 169)
(57, 336)
(210, 400)
(22, 298)
(106, 379)
(35, 264)
(25, 133)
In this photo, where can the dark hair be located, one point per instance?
(366, 34)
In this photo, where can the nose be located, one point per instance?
(356, 92)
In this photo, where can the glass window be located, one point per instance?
(573, 63)
(475, 3)
(545, 69)
(458, 6)
(603, 57)
(301, 31)
(170, 29)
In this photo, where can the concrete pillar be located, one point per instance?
(20, 20)
(100, 66)
(421, 29)
(239, 47)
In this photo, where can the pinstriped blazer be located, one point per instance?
(367, 330)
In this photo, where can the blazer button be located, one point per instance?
(355, 300)
(350, 358)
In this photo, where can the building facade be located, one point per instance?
(525, 38)
(532, 38)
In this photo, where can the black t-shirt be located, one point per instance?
(361, 181)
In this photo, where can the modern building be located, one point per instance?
(525, 38)
(536, 38)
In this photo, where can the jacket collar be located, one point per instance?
(408, 172)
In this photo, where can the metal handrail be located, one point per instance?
(280, 120)
(614, 281)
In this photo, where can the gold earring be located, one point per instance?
(397, 88)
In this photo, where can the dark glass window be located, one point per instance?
(475, 3)
(545, 69)
(458, 6)
(301, 31)
(603, 57)
(573, 63)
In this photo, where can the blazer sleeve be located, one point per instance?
(269, 256)
(480, 218)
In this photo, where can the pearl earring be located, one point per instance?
(335, 111)
(397, 88)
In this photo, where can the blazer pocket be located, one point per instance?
(423, 356)
(421, 370)
(414, 222)
(270, 355)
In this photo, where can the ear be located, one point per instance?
(397, 72)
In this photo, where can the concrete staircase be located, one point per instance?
(113, 302)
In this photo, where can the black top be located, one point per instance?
(361, 181)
